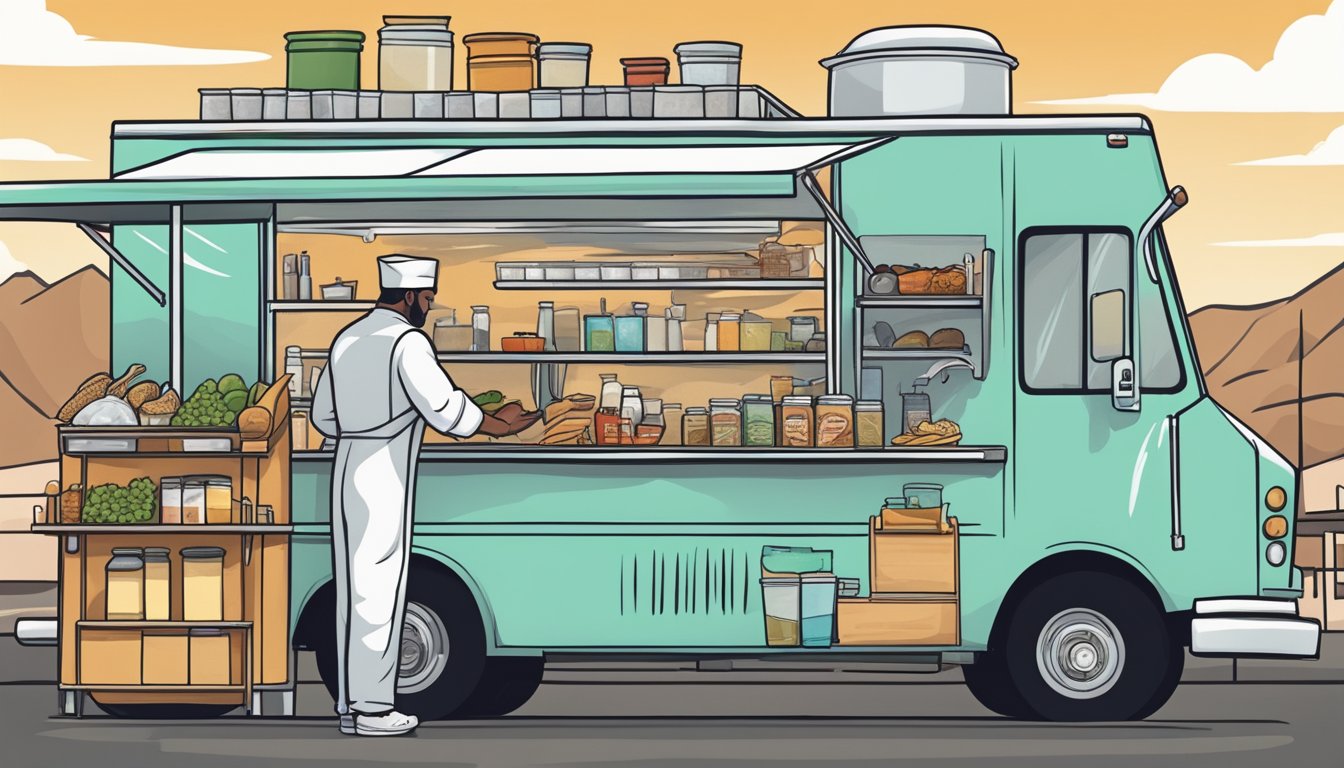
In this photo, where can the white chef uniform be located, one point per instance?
(382, 383)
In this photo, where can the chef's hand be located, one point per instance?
(509, 420)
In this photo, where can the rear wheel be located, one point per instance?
(507, 684)
(442, 648)
(1090, 646)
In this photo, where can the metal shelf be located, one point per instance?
(320, 306)
(807, 284)
(921, 302)
(632, 358)
(180, 528)
(870, 353)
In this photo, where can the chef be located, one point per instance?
(381, 385)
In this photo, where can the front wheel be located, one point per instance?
(1090, 647)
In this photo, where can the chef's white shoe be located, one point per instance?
(386, 724)
(348, 725)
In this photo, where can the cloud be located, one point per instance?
(33, 151)
(9, 266)
(32, 36)
(1325, 240)
(1305, 75)
(1328, 152)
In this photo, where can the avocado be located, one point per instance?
(236, 400)
(232, 382)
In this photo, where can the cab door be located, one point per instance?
(1091, 458)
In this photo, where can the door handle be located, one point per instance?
(1124, 385)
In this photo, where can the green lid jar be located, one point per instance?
(324, 59)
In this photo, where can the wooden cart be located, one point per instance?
(175, 667)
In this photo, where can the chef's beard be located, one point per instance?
(418, 316)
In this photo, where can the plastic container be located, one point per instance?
(460, 105)
(515, 106)
(568, 336)
(695, 427)
(630, 333)
(610, 394)
(485, 106)
(571, 102)
(415, 53)
(216, 104)
(618, 101)
(754, 333)
(655, 333)
(797, 418)
(646, 71)
(721, 102)
(500, 73)
(193, 501)
(449, 336)
(158, 580)
(709, 62)
(218, 500)
(915, 409)
(480, 328)
(170, 500)
(428, 105)
(632, 413)
(835, 421)
(869, 424)
(323, 59)
(203, 584)
(782, 604)
(712, 332)
(594, 102)
(500, 44)
(397, 105)
(523, 341)
(370, 105)
(273, 103)
(641, 101)
(818, 609)
(126, 585)
(599, 331)
(923, 495)
(730, 332)
(672, 424)
(802, 328)
(298, 105)
(563, 65)
(725, 422)
(758, 419)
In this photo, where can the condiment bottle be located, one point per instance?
(305, 278)
(835, 421)
(157, 584)
(599, 331)
(797, 418)
(869, 429)
(730, 332)
(725, 422)
(695, 427)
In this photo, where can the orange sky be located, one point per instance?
(1067, 49)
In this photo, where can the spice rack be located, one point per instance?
(133, 666)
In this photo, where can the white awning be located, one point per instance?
(292, 163)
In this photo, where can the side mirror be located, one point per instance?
(1108, 326)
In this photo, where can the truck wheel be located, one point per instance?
(507, 684)
(442, 648)
(989, 683)
(1089, 646)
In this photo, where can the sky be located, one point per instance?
(1247, 98)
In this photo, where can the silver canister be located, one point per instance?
(344, 105)
(369, 105)
(641, 101)
(487, 105)
(516, 105)
(721, 102)
(618, 101)
(678, 101)
(397, 105)
(323, 105)
(459, 105)
(427, 104)
(545, 104)
(245, 103)
(594, 102)
(273, 103)
(571, 102)
(299, 105)
(216, 104)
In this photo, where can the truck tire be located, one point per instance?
(989, 683)
(442, 648)
(1090, 646)
(507, 684)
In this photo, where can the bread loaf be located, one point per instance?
(947, 338)
(93, 388)
(912, 340)
(948, 281)
(916, 281)
(142, 393)
(119, 387)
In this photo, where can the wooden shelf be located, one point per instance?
(188, 688)
(160, 528)
(761, 284)
(117, 624)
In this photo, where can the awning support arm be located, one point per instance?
(808, 179)
(121, 261)
(175, 305)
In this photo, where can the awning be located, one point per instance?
(292, 163)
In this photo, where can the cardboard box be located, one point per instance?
(165, 659)
(109, 657)
(898, 622)
(210, 658)
(913, 562)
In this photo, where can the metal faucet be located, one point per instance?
(942, 366)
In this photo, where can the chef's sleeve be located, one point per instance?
(323, 414)
(445, 407)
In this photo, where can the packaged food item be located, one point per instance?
(941, 432)
(758, 413)
(218, 500)
(672, 423)
(869, 428)
(630, 329)
(203, 584)
(730, 333)
(695, 427)
(170, 500)
(72, 503)
(797, 417)
(563, 65)
(157, 584)
(193, 501)
(599, 331)
(817, 343)
(754, 333)
(725, 422)
(802, 328)
(780, 388)
(159, 412)
(915, 409)
(835, 421)
(649, 431)
(126, 585)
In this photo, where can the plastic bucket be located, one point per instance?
(709, 63)
(323, 59)
(781, 598)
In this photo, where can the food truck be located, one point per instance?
(914, 383)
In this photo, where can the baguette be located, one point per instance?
(93, 388)
(118, 388)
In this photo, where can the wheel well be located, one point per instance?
(319, 614)
(1077, 561)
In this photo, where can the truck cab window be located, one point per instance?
(1059, 274)
(1160, 364)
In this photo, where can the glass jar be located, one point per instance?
(797, 416)
(158, 590)
(170, 500)
(203, 584)
(218, 500)
(725, 421)
(126, 585)
(480, 329)
(695, 427)
(869, 428)
(193, 501)
(835, 421)
(758, 414)
(730, 332)
(802, 328)
(754, 334)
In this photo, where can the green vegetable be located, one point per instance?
(111, 503)
(206, 408)
(236, 401)
(232, 382)
(254, 395)
(489, 397)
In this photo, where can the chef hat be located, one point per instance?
(409, 272)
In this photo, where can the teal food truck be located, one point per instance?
(1054, 502)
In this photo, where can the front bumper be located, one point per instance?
(1253, 627)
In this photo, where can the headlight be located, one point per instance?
(1276, 527)
(1276, 553)
(1276, 498)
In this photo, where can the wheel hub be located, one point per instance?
(424, 649)
(1080, 653)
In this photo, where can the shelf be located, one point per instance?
(186, 688)
(921, 302)
(634, 358)
(870, 353)
(259, 529)
(115, 624)
(320, 306)
(677, 454)
(802, 284)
